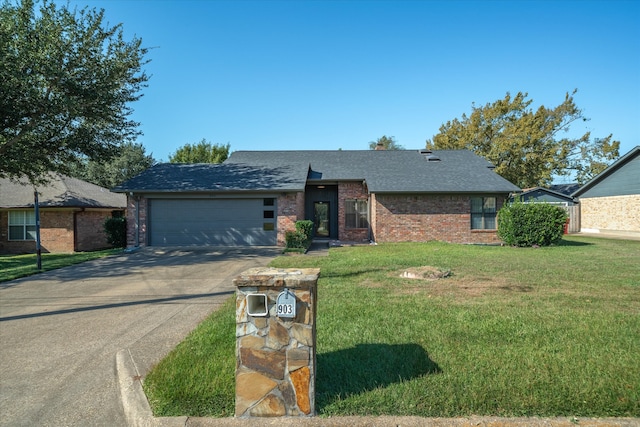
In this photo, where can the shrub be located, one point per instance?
(305, 227)
(295, 239)
(116, 230)
(301, 237)
(530, 224)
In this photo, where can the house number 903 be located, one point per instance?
(284, 309)
(286, 304)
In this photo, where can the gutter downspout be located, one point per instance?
(137, 199)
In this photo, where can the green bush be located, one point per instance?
(305, 227)
(295, 239)
(531, 224)
(116, 230)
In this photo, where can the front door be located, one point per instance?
(321, 219)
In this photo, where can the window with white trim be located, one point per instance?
(483, 213)
(22, 225)
(356, 213)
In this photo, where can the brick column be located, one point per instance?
(275, 354)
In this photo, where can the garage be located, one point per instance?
(212, 222)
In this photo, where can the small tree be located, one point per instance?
(202, 152)
(531, 224)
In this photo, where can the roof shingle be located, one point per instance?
(61, 191)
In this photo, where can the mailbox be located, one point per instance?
(286, 304)
(276, 342)
(257, 305)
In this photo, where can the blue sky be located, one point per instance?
(285, 75)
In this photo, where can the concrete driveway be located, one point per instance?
(60, 330)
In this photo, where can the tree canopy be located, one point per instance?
(130, 161)
(67, 80)
(528, 147)
(385, 143)
(202, 152)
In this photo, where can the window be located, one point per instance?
(22, 225)
(356, 214)
(269, 213)
(483, 213)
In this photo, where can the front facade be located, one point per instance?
(610, 202)
(357, 196)
(72, 213)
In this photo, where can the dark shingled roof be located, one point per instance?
(61, 191)
(393, 171)
(206, 177)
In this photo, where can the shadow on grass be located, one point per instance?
(564, 242)
(365, 367)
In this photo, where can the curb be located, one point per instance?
(136, 407)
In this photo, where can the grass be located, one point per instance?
(512, 332)
(16, 266)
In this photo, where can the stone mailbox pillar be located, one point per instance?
(276, 342)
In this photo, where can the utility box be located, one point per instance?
(276, 342)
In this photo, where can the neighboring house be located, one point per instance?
(254, 197)
(610, 202)
(72, 213)
(559, 195)
(546, 195)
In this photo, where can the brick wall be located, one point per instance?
(618, 213)
(132, 217)
(56, 234)
(290, 210)
(90, 235)
(350, 191)
(421, 218)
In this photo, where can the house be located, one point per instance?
(254, 197)
(72, 213)
(610, 202)
(546, 195)
(559, 195)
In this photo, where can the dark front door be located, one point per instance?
(321, 219)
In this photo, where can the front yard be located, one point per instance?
(16, 266)
(511, 332)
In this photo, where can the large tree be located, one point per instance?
(385, 143)
(202, 152)
(529, 147)
(67, 80)
(131, 160)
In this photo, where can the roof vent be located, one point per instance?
(428, 155)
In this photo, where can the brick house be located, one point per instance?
(610, 202)
(254, 197)
(72, 213)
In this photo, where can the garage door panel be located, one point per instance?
(218, 222)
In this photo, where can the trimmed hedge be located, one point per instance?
(531, 224)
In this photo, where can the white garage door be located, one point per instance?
(212, 222)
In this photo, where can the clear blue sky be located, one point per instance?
(285, 75)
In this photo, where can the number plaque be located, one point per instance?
(286, 304)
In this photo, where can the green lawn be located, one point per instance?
(15, 266)
(512, 332)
